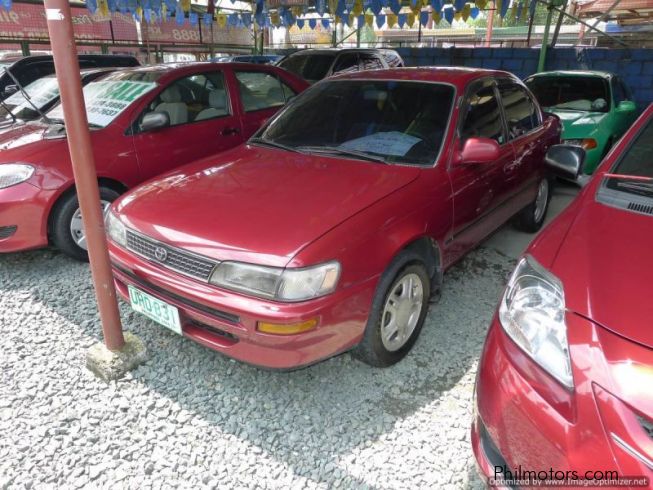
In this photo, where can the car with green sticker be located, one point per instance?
(595, 107)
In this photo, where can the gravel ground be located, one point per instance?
(190, 417)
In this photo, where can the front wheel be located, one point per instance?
(68, 233)
(531, 218)
(398, 312)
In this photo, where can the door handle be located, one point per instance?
(229, 131)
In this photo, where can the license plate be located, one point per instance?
(159, 311)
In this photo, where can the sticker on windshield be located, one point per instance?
(39, 92)
(392, 143)
(107, 99)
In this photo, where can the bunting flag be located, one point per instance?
(296, 11)
(193, 18)
(376, 7)
(401, 20)
(481, 4)
(395, 6)
(504, 7)
(102, 7)
(246, 19)
(436, 17)
(207, 19)
(147, 15)
(357, 9)
(459, 5)
(138, 15)
(300, 23)
(369, 20)
(474, 12)
(457, 16)
(179, 15)
(424, 18)
(6, 4)
(411, 19)
(466, 11)
(391, 19)
(380, 20)
(520, 9)
(185, 5)
(325, 23)
(437, 5)
(448, 14)
(221, 19)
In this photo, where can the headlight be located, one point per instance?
(115, 229)
(277, 283)
(587, 143)
(14, 173)
(532, 313)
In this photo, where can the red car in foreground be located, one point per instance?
(144, 121)
(329, 230)
(565, 382)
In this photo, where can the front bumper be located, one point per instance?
(226, 321)
(23, 217)
(534, 424)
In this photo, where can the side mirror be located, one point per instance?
(155, 120)
(626, 106)
(10, 89)
(479, 150)
(565, 161)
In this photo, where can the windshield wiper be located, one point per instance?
(26, 95)
(637, 186)
(334, 150)
(274, 144)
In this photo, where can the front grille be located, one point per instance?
(7, 231)
(173, 258)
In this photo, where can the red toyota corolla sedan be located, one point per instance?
(144, 122)
(565, 382)
(329, 230)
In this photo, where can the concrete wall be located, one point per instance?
(634, 65)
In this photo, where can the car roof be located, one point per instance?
(170, 70)
(337, 50)
(574, 73)
(458, 76)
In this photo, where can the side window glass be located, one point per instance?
(370, 62)
(193, 98)
(520, 110)
(617, 91)
(261, 90)
(483, 118)
(346, 63)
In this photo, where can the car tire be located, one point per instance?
(66, 218)
(531, 218)
(379, 347)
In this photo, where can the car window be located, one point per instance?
(571, 92)
(392, 58)
(261, 90)
(483, 116)
(521, 113)
(635, 161)
(619, 91)
(192, 99)
(370, 62)
(345, 63)
(396, 121)
(311, 67)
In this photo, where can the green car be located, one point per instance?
(596, 108)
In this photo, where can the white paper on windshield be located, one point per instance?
(388, 143)
(40, 93)
(107, 99)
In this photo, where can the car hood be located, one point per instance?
(257, 204)
(579, 124)
(605, 265)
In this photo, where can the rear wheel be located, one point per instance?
(68, 233)
(531, 218)
(398, 312)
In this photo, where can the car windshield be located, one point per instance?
(388, 121)
(105, 99)
(310, 66)
(574, 93)
(41, 92)
(634, 170)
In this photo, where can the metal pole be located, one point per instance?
(66, 64)
(490, 25)
(545, 40)
(556, 31)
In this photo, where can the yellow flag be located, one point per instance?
(350, 20)
(466, 11)
(296, 11)
(513, 11)
(416, 10)
(185, 5)
(410, 19)
(436, 17)
(497, 6)
(481, 4)
(164, 11)
(103, 8)
(333, 5)
(457, 15)
(222, 20)
(369, 20)
(391, 19)
(357, 9)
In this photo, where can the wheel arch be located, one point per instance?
(429, 249)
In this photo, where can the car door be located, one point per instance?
(203, 122)
(260, 95)
(476, 187)
(622, 120)
(526, 134)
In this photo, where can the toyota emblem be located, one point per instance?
(161, 254)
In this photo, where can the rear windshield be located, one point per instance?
(310, 66)
(636, 161)
(575, 93)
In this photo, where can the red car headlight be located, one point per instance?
(14, 173)
(532, 313)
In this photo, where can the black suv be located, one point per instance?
(315, 64)
(26, 69)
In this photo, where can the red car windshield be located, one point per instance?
(390, 121)
(633, 172)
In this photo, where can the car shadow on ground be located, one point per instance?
(338, 422)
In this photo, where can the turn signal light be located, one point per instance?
(287, 328)
(589, 144)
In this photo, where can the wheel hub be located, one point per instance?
(401, 311)
(77, 225)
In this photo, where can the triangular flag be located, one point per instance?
(325, 23)
(221, 19)
(312, 23)
(448, 14)
(392, 20)
(300, 23)
(401, 19)
(436, 17)
(466, 11)
(380, 21)
(411, 19)
(320, 7)
(185, 5)
(369, 20)
(357, 8)
(459, 5)
(375, 6)
(473, 13)
(481, 4)
(424, 18)
(395, 6)
(457, 16)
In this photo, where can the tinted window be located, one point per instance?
(392, 58)
(311, 67)
(346, 63)
(260, 90)
(637, 160)
(520, 111)
(483, 118)
(576, 93)
(370, 62)
(401, 122)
